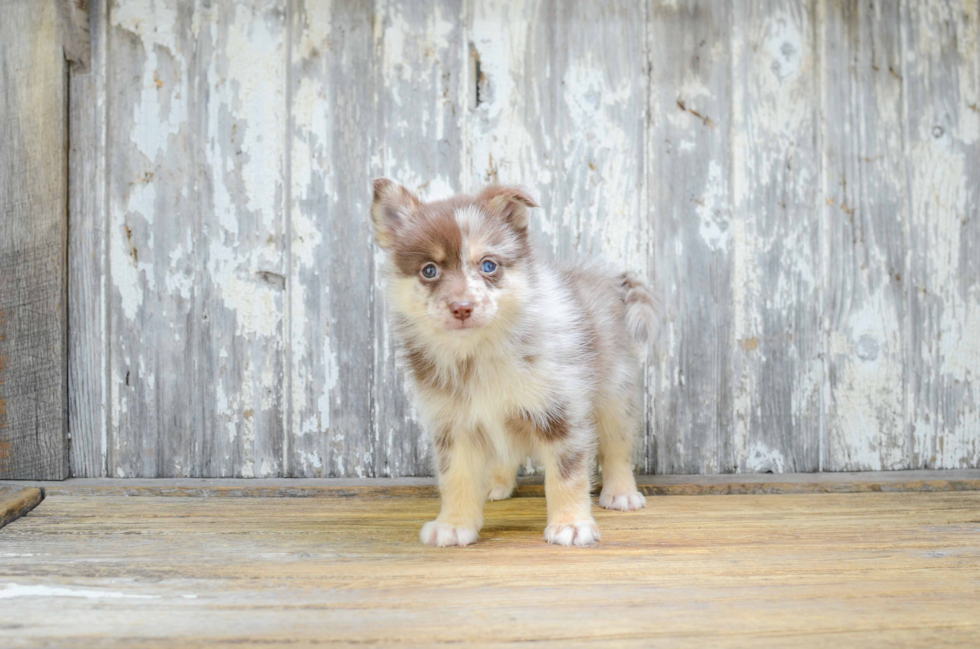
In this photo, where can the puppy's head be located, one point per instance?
(457, 268)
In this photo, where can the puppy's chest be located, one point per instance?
(503, 386)
(493, 389)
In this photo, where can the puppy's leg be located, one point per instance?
(567, 474)
(618, 422)
(461, 463)
(503, 476)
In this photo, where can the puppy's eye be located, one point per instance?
(488, 266)
(430, 271)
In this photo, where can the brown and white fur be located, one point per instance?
(529, 359)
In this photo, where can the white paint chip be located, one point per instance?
(13, 591)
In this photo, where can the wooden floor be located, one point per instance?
(813, 570)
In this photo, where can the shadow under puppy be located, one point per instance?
(511, 355)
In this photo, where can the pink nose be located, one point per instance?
(461, 310)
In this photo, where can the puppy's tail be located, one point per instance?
(642, 309)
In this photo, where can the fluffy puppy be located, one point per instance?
(509, 356)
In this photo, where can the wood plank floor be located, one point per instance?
(16, 501)
(815, 570)
(650, 485)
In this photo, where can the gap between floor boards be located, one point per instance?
(652, 485)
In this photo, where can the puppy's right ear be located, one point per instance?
(509, 204)
(393, 205)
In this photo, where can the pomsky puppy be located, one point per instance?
(510, 356)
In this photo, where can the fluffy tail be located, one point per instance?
(642, 309)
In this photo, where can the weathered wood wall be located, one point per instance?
(34, 38)
(801, 179)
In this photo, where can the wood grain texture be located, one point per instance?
(865, 238)
(942, 86)
(17, 501)
(797, 179)
(87, 258)
(196, 237)
(777, 367)
(529, 486)
(33, 239)
(829, 570)
(73, 25)
(690, 182)
(334, 146)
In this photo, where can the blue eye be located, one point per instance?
(430, 271)
(488, 266)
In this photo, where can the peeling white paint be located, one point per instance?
(439, 188)
(314, 199)
(942, 191)
(714, 210)
(500, 144)
(178, 281)
(764, 460)
(597, 135)
(255, 304)
(315, 37)
(255, 66)
(867, 400)
(125, 274)
(157, 116)
(129, 274)
(574, 135)
(773, 184)
(16, 591)
(310, 461)
(249, 77)
(151, 20)
(161, 110)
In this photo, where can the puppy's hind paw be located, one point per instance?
(501, 492)
(624, 502)
(579, 533)
(443, 535)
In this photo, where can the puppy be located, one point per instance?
(510, 356)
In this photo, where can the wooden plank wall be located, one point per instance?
(33, 239)
(800, 179)
(88, 277)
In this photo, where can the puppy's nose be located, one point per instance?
(461, 310)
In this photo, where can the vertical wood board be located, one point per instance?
(196, 238)
(942, 84)
(33, 239)
(332, 284)
(693, 241)
(865, 226)
(88, 272)
(777, 368)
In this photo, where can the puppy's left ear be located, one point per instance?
(392, 206)
(508, 203)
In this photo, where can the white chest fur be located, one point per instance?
(488, 393)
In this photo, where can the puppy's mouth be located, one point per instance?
(464, 326)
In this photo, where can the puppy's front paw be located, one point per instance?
(624, 501)
(442, 535)
(578, 533)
